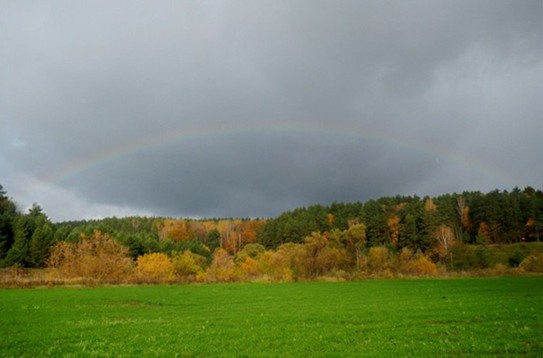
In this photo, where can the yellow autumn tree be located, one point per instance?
(248, 268)
(154, 267)
(176, 230)
(314, 245)
(323, 256)
(354, 239)
(97, 257)
(443, 242)
(415, 264)
(422, 265)
(188, 265)
(275, 266)
(222, 268)
(380, 260)
(462, 209)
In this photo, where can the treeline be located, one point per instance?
(402, 235)
(144, 235)
(26, 239)
(498, 217)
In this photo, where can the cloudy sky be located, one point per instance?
(250, 108)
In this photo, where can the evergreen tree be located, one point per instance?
(8, 214)
(18, 253)
(377, 231)
(40, 243)
(33, 236)
(413, 231)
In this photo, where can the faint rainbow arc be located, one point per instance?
(171, 136)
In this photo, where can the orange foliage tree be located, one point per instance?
(322, 255)
(247, 261)
(222, 268)
(415, 264)
(393, 222)
(97, 256)
(176, 230)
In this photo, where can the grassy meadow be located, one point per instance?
(382, 318)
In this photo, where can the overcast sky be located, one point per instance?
(251, 108)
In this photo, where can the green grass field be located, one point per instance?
(434, 318)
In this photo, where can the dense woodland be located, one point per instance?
(402, 235)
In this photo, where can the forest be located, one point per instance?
(498, 232)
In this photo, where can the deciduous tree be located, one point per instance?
(97, 257)
(354, 239)
(155, 267)
(444, 240)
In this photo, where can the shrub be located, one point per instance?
(248, 268)
(276, 266)
(188, 265)
(516, 258)
(498, 269)
(380, 260)
(482, 256)
(423, 266)
(533, 263)
(154, 267)
(222, 268)
(415, 264)
(253, 251)
(331, 259)
(463, 256)
(404, 261)
(97, 257)
(291, 261)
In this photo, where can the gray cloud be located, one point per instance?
(277, 104)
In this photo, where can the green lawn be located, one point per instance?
(434, 318)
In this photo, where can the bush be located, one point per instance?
(222, 268)
(276, 266)
(463, 256)
(291, 259)
(482, 256)
(188, 265)
(155, 267)
(533, 263)
(380, 260)
(498, 269)
(415, 264)
(331, 259)
(248, 268)
(516, 258)
(423, 266)
(253, 251)
(97, 257)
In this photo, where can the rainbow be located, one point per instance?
(206, 132)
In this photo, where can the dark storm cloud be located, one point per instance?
(440, 95)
